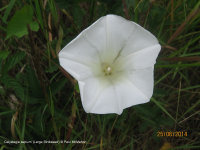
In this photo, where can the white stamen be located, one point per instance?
(109, 69)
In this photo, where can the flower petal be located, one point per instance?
(109, 35)
(103, 95)
(138, 60)
(98, 95)
(139, 39)
(142, 78)
(80, 58)
(128, 91)
(107, 102)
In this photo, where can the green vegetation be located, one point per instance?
(39, 101)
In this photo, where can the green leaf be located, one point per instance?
(10, 6)
(78, 14)
(13, 61)
(117, 125)
(57, 86)
(114, 7)
(12, 83)
(164, 121)
(39, 14)
(51, 105)
(63, 4)
(161, 107)
(1, 62)
(144, 125)
(38, 122)
(58, 114)
(32, 109)
(155, 134)
(159, 92)
(3, 146)
(51, 69)
(55, 60)
(123, 116)
(157, 110)
(4, 54)
(34, 84)
(76, 87)
(32, 100)
(7, 112)
(3, 108)
(144, 109)
(18, 24)
(36, 131)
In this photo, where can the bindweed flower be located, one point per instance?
(113, 62)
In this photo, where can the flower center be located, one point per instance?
(107, 69)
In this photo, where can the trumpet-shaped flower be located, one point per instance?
(113, 62)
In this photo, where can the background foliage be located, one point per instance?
(40, 101)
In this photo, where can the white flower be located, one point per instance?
(113, 62)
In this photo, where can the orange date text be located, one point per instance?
(170, 134)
